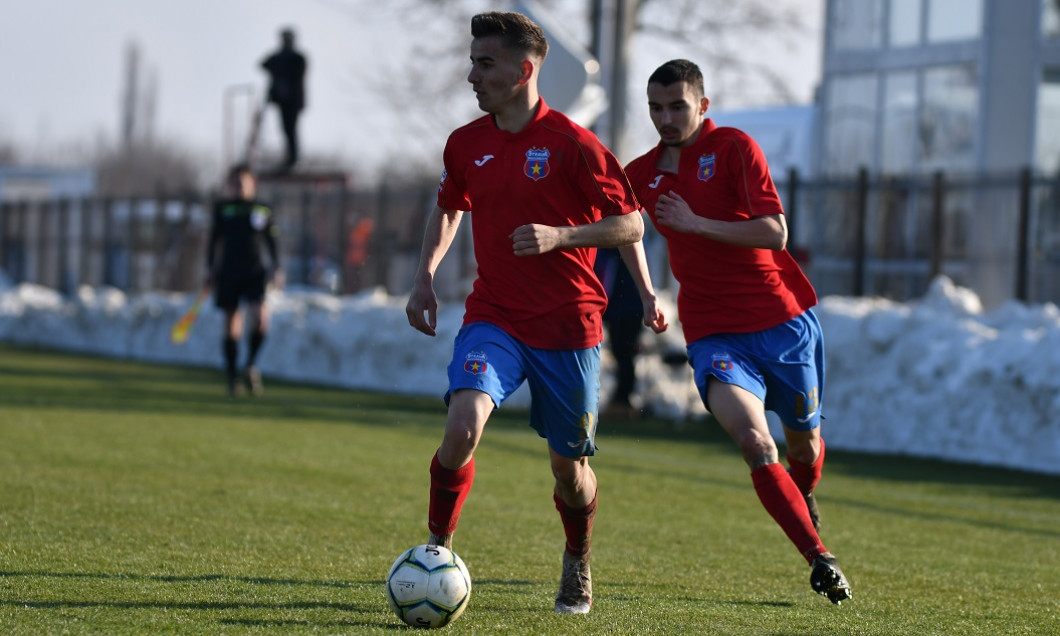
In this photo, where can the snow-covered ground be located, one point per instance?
(938, 377)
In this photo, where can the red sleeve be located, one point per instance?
(603, 180)
(758, 195)
(452, 190)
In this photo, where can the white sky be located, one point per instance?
(64, 64)
(936, 377)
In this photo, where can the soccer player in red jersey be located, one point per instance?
(542, 194)
(744, 304)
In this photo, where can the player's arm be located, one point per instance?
(637, 264)
(765, 232)
(271, 234)
(213, 245)
(422, 308)
(611, 231)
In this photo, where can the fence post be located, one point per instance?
(64, 229)
(307, 237)
(109, 244)
(1024, 237)
(938, 204)
(861, 225)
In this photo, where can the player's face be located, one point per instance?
(495, 74)
(245, 185)
(677, 112)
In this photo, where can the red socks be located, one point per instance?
(784, 502)
(806, 476)
(577, 525)
(449, 489)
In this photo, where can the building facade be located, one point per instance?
(969, 89)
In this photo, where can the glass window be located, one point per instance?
(904, 23)
(1051, 18)
(954, 20)
(948, 119)
(1047, 129)
(850, 118)
(898, 143)
(857, 24)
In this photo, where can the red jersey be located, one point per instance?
(724, 288)
(551, 172)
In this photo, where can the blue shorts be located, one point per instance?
(783, 366)
(564, 385)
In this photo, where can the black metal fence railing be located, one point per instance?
(883, 236)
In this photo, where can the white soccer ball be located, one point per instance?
(428, 586)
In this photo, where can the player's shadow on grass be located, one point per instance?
(211, 606)
(189, 578)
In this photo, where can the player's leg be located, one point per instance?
(734, 391)
(226, 298)
(565, 394)
(258, 328)
(453, 465)
(794, 376)
(233, 328)
(484, 370)
(623, 333)
(575, 499)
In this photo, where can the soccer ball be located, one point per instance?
(428, 586)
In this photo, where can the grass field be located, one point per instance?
(137, 499)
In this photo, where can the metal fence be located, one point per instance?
(999, 235)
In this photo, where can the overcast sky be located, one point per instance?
(64, 62)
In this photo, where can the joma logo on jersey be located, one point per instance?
(706, 167)
(536, 166)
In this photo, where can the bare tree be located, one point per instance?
(147, 169)
(724, 37)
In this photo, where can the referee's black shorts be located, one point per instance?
(233, 287)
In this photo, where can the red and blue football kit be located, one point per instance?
(551, 172)
(724, 288)
(745, 311)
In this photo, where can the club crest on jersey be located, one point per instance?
(259, 217)
(536, 166)
(721, 362)
(441, 182)
(706, 167)
(475, 363)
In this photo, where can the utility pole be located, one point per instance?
(130, 96)
(612, 28)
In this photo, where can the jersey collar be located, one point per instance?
(541, 111)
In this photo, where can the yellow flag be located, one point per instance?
(179, 334)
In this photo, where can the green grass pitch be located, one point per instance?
(139, 499)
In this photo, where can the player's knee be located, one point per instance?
(569, 472)
(758, 450)
(803, 452)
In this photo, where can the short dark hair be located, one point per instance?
(239, 170)
(679, 71)
(516, 31)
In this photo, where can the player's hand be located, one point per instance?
(673, 212)
(653, 314)
(534, 238)
(279, 279)
(422, 308)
